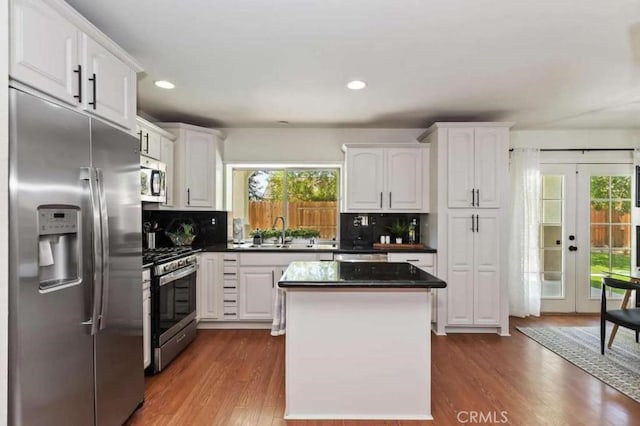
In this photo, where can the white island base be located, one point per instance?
(358, 353)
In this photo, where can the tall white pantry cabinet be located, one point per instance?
(469, 186)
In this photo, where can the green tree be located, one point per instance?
(303, 185)
(614, 188)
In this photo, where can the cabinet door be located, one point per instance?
(365, 174)
(491, 163)
(256, 293)
(404, 179)
(210, 293)
(460, 170)
(166, 156)
(44, 50)
(199, 169)
(150, 142)
(460, 291)
(486, 310)
(110, 85)
(146, 327)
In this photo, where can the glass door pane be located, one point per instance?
(557, 226)
(604, 221)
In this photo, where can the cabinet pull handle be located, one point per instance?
(412, 260)
(140, 137)
(473, 197)
(477, 198)
(273, 279)
(147, 138)
(389, 199)
(473, 223)
(94, 79)
(228, 273)
(79, 95)
(188, 196)
(230, 260)
(477, 223)
(380, 199)
(228, 286)
(230, 301)
(230, 314)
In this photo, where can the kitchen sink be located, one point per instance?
(291, 246)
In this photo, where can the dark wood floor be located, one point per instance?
(236, 377)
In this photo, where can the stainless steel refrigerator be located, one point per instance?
(75, 310)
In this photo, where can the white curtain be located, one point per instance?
(524, 254)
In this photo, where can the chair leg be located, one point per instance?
(602, 335)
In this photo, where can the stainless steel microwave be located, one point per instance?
(152, 180)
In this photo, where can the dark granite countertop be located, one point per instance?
(357, 275)
(332, 248)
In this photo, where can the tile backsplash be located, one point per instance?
(361, 230)
(210, 226)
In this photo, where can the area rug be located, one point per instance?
(619, 367)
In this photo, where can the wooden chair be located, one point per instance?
(627, 318)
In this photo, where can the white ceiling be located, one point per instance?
(250, 63)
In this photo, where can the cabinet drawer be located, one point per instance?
(230, 312)
(230, 259)
(419, 259)
(230, 271)
(230, 286)
(271, 259)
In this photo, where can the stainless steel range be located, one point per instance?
(173, 303)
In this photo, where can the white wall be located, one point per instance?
(304, 145)
(4, 207)
(575, 138)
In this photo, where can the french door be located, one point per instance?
(585, 232)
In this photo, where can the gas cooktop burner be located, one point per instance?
(165, 254)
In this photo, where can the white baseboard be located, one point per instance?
(238, 325)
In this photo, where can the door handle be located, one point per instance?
(380, 199)
(104, 224)
(79, 95)
(473, 223)
(188, 197)
(147, 138)
(389, 199)
(273, 279)
(477, 223)
(573, 248)
(473, 197)
(477, 198)
(94, 79)
(89, 174)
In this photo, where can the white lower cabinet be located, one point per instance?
(426, 262)
(209, 283)
(473, 279)
(257, 289)
(146, 317)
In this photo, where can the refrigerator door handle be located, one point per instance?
(104, 224)
(89, 174)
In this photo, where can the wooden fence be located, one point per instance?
(619, 225)
(320, 215)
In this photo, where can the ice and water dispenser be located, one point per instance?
(59, 247)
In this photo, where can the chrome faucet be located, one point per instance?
(284, 226)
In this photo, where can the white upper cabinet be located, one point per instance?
(386, 178)
(44, 50)
(365, 179)
(150, 138)
(166, 156)
(476, 158)
(197, 156)
(57, 52)
(110, 85)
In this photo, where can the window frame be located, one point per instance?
(293, 166)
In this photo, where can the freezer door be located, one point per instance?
(119, 347)
(50, 349)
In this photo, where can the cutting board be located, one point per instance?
(397, 246)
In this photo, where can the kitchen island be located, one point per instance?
(358, 340)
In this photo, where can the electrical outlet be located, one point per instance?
(213, 220)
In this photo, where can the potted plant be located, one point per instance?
(398, 229)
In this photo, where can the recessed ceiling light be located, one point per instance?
(356, 85)
(164, 84)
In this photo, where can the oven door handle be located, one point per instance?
(176, 275)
